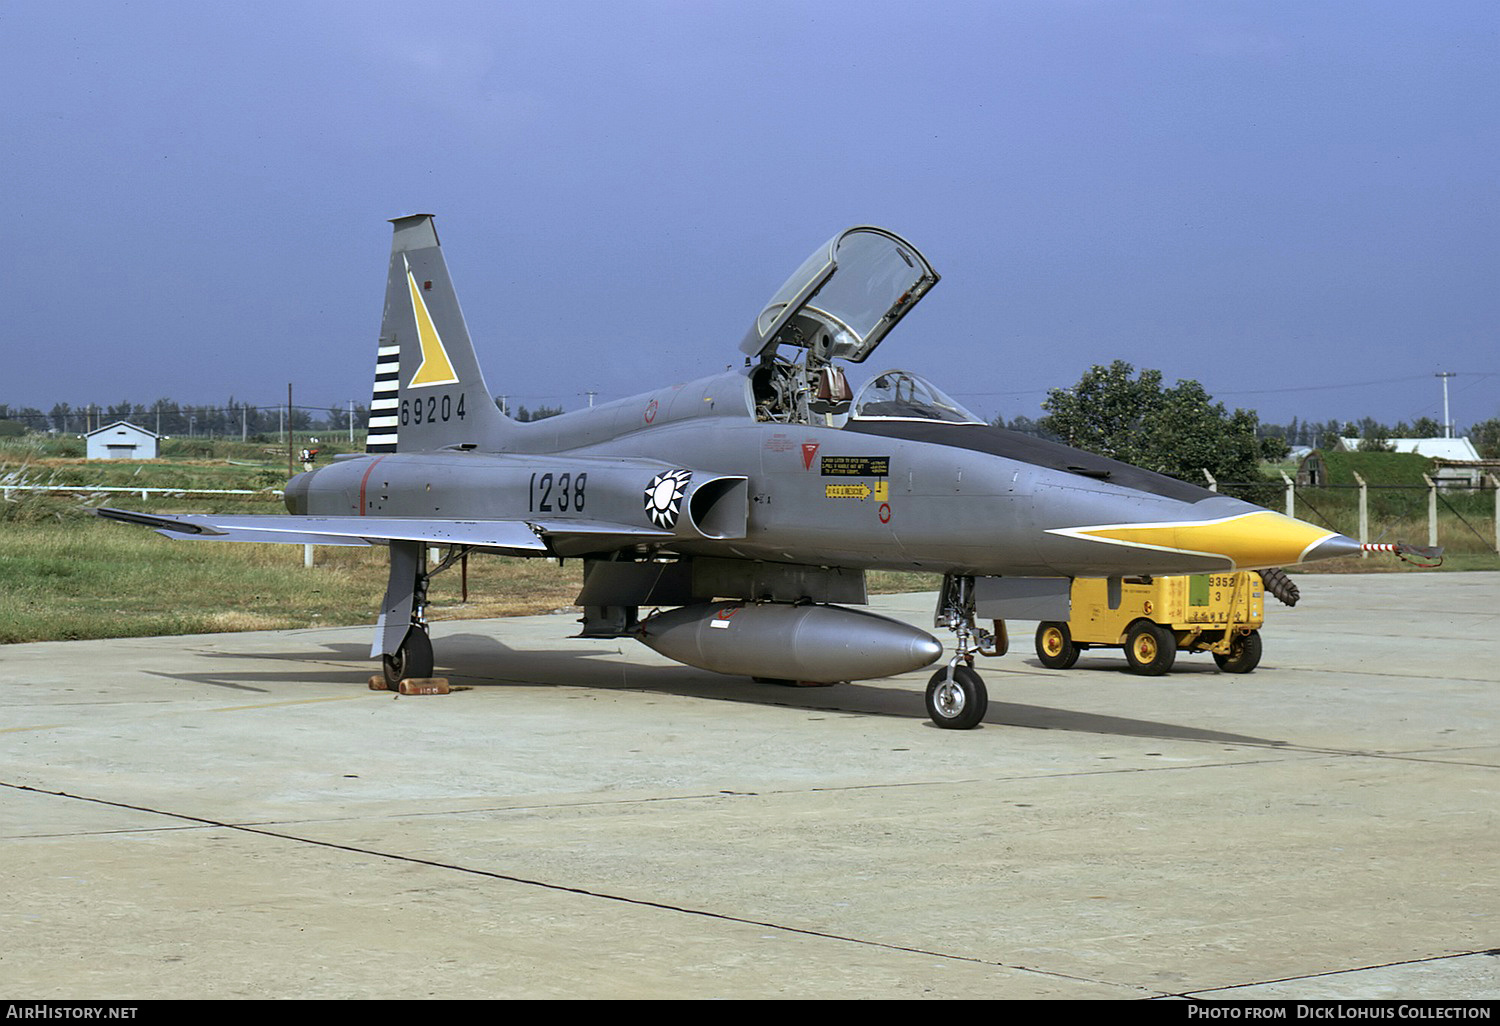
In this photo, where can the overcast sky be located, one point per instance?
(1295, 203)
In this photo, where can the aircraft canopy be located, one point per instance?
(845, 297)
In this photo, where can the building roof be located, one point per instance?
(1433, 448)
(119, 424)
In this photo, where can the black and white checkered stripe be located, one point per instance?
(382, 436)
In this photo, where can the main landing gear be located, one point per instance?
(956, 696)
(412, 659)
(402, 639)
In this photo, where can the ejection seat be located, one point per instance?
(833, 394)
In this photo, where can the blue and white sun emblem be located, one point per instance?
(664, 497)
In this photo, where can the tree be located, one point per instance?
(540, 413)
(1425, 427)
(1486, 438)
(1024, 425)
(1274, 448)
(1178, 431)
(1374, 436)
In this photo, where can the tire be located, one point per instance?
(412, 659)
(1150, 648)
(1054, 646)
(1244, 654)
(957, 698)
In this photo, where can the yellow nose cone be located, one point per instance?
(1248, 541)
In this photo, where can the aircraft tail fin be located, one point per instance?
(429, 391)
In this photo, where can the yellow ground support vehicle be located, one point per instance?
(1153, 617)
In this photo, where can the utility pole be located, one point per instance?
(1447, 424)
(289, 470)
(351, 421)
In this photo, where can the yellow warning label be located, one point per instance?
(847, 491)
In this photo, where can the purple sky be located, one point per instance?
(1295, 203)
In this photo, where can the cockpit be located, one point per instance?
(839, 305)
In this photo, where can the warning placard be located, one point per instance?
(855, 466)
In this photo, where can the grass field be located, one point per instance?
(65, 574)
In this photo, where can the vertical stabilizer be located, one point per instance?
(429, 391)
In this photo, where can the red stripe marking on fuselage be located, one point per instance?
(362, 481)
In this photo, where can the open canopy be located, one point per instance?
(845, 297)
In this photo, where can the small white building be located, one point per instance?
(121, 441)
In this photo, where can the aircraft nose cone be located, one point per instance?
(1248, 541)
(1332, 547)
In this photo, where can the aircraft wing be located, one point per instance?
(515, 537)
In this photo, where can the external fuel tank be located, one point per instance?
(809, 642)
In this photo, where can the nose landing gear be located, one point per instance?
(956, 696)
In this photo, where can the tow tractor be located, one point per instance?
(1153, 618)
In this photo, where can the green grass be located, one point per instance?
(89, 578)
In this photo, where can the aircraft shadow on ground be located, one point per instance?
(483, 661)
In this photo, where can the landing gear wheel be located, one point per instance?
(1054, 646)
(1244, 654)
(957, 698)
(1150, 648)
(412, 659)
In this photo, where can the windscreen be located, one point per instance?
(901, 395)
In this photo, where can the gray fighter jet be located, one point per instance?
(749, 504)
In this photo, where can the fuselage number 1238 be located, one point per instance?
(559, 493)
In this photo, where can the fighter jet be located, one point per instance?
(748, 504)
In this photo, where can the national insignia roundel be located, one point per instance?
(664, 497)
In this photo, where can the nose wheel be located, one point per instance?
(957, 698)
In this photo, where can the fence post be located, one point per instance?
(1495, 484)
(1364, 514)
(1291, 495)
(1213, 484)
(1431, 511)
(307, 555)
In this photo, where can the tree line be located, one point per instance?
(169, 417)
(1181, 431)
(231, 419)
(1115, 411)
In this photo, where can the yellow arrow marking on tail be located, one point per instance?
(1260, 539)
(436, 368)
